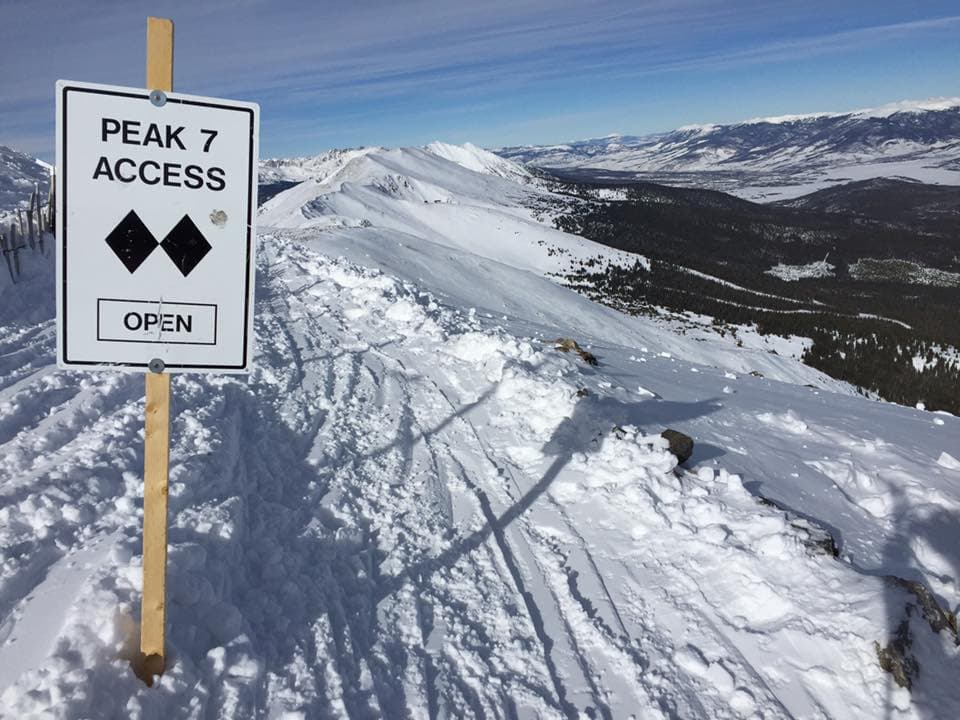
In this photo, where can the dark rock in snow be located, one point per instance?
(938, 618)
(815, 537)
(811, 531)
(680, 445)
(569, 344)
(897, 657)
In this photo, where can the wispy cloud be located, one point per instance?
(314, 63)
(812, 45)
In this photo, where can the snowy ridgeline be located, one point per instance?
(775, 158)
(418, 506)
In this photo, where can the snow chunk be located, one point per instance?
(786, 421)
(948, 461)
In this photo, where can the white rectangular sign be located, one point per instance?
(156, 204)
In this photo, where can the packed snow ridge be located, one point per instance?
(418, 506)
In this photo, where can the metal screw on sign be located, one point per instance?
(156, 365)
(158, 98)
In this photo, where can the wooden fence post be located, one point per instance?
(30, 229)
(52, 202)
(5, 247)
(15, 249)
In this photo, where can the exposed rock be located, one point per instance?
(815, 537)
(680, 445)
(938, 618)
(756, 373)
(569, 344)
(897, 657)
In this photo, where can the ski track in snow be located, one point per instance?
(407, 511)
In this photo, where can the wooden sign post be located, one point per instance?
(156, 458)
(157, 283)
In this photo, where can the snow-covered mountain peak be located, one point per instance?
(698, 127)
(314, 167)
(883, 111)
(477, 159)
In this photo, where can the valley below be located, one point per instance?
(867, 272)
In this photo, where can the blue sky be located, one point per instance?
(343, 74)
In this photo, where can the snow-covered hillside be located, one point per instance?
(777, 157)
(20, 175)
(417, 506)
(463, 197)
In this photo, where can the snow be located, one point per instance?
(912, 106)
(727, 283)
(871, 316)
(792, 346)
(790, 273)
(416, 506)
(614, 194)
(479, 160)
(948, 461)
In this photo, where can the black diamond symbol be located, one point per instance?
(131, 241)
(185, 245)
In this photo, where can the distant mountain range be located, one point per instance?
(772, 158)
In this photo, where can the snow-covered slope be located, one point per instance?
(417, 506)
(464, 197)
(474, 158)
(780, 156)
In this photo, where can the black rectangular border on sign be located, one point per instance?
(145, 95)
(157, 302)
